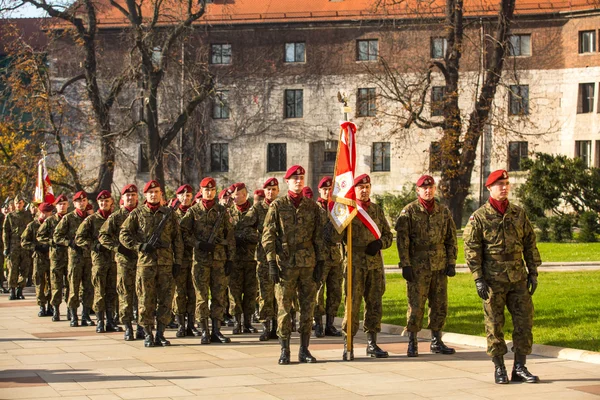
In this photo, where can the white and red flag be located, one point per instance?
(43, 187)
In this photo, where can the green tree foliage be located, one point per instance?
(393, 204)
(589, 227)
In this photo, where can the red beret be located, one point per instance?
(198, 195)
(230, 189)
(222, 193)
(425, 180)
(364, 178)
(239, 186)
(46, 207)
(105, 194)
(307, 192)
(151, 185)
(184, 188)
(208, 182)
(259, 192)
(326, 182)
(496, 176)
(294, 170)
(89, 207)
(131, 188)
(80, 195)
(60, 199)
(271, 182)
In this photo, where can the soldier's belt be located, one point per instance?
(503, 257)
(304, 245)
(428, 247)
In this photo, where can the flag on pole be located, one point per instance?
(43, 187)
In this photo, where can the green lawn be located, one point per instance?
(566, 303)
(550, 252)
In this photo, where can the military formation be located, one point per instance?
(202, 261)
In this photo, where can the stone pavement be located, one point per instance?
(46, 360)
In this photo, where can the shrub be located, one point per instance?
(562, 228)
(393, 204)
(589, 226)
(543, 224)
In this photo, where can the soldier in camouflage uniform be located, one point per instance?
(80, 262)
(501, 252)
(333, 274)
(104, 268)
(207, 227)
(3, 212)
(18, 259)
(242, 281)
(158, 263)
(126, 261)
(426, 240)
(293, 243)
(41, 259)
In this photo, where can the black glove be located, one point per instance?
(374, 247)
(146, 248)
(205, 246)
(482, 288)
(274, 271)
(176, 270)
(42, 248)
(228, 267)
(98, 248)
(531, 283)
(318, 271)
(240, 241)
(450, 270)
(408, 274)
(126, 252)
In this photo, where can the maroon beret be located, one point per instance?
(184, 188)
(239, 186)
(259, 192)
(307, 192)
(151, 185)
(60, 199)
(222, 193)
(326, 182)
(105, 194)
(80, 195)
(198, 195)
(364, 178)
(130, 188)
(46, 207)
(270, 182)
(425, 180)
(294, 170)
(208, 182)
(89, 207)
(496, 176)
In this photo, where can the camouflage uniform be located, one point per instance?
(41, 262)
(2, 276)
(427, 243)
(266, 288)
(185, 295)
(495, 246)
(18, 261)
(59, 260)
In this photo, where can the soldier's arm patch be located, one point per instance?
(472, 217)
(403, 212)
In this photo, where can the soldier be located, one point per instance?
(18, 259)
(104, 269)
(259, 195)
(266, 288)
(126, 261)
(293, 243)
(426, 240)
(41, 259)
(498, 237)
(3, 213)
(242, 282)
(307, 192)
(367, 270)
(207, 228)
(223, 197)
(159, 261)
(185, 295)
(332, 271)
(80, 264)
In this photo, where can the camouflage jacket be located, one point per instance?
(261, 209)
(29, 239)
(293, 236)
(426, 241)
(86, 237)
(1, 236)
(109, 234)
(333, 245)
(188, 252)
(45, 235)
(64, 234)
(13, 227)
(139, 227)
(245, 228)
(197, 225)
(495, 244)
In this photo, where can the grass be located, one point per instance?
(550, 252)
(566, 308)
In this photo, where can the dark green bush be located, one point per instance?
(543, 224)
(562, 228)
(588, 227)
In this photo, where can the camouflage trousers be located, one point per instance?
(296, 284)
(18, 264)
(209, 276)
(154, 288)
(185, 294)
(367, 284)
(80, 281)
(332, 281)
(267, 305)
(41, 274)
(104, 279)
(59, 282)
(242, 288)
(430, 286)
(516, 298)
(2, 276)
(126, 289)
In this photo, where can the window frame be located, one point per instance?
(590, 100)
(369, 55)
(386, 159)
(278, 167)
(223, 148)
(295, 61)
(287, 107)
(368, 97)
(213, 46)
(221, 103)
(587, 158)
(437, 106)
(518, 103)
(512, 47)
(432, 47)
(517, 158)
(593, 45)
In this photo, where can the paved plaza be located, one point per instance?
(46, 360)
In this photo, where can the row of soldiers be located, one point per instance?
(184, 259)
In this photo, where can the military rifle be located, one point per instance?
(213, 233)
(155, 237)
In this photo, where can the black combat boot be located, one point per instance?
(217, 336)
(160, 339)
(330, 329)
(148, 337)
(13, 295)
(111, 325)
(256, 315)
(20, 294)
(304, 355)
(49, 310)
(139, 332)
(100, 328)
(74, 319)
(237, 327)
(500, 375)
(172, 324)
(204, 332)
(438, 346)
(413, 345)
(128, 336)
(293, 316)
(42, 312)
(274, 329)
(319, 332)
(68, 314)
(228, 320)
(266, 333)
(348, 354)
(181, 326)
(520, 372)
(248, 328)
(86, 320)
(372, 349)
(191, 325)
(56, 315)
(284, 358)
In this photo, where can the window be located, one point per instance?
(365, 103)
(221, 105)
(435, 157)
(276, 157)
(587, 42)
(220, 53)
(517, 151)
(585, 98)
(381, 156)
(294, 52)
(367, 50)
(597, 160)
(518, 100)
(438, 47)
(519, 45)
(293, 103)
(437, 100)
(583, 150)
(219, 157)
